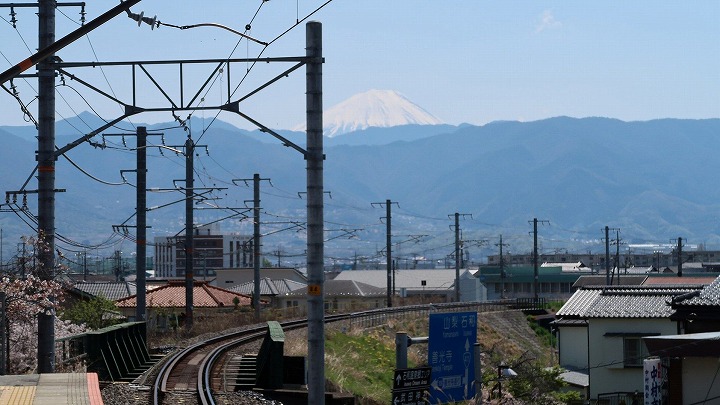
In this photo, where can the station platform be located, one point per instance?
(50, 389)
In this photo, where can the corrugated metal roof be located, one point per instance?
(112, 290)
(575, 378)
(588, 280)
(435, 279)
(621, 302)
(172, 295)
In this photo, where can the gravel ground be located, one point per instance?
(140, 391)
(128, 394)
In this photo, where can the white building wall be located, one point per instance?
(573, 348)
(607, 372)
(471, 289)
(165, 257)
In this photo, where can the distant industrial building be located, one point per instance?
(664, 257)
(212, 251)
(554, 280)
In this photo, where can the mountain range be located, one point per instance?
(653, 180)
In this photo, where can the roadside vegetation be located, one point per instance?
(361, 361)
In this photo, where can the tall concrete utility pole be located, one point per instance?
(315, 222)
(189, 231)
(607, 255)
(256, 245)
(388, 248)
(46, 179)
(535, 259)
(535, 222)
(617, 254)
(457, 257)
(141, 212)
(502, 268)
(257, 253)
(680, 259)
(44, 58)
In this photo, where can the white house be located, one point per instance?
(339, 296)
(693, 356)
(600, 331)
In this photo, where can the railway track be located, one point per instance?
(198, 368)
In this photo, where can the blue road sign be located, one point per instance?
(451, 344)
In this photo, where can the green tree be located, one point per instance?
(97, 313)
(536, 384)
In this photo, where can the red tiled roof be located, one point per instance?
(172, 295)
(692, 280)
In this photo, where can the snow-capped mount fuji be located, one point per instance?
(374, 108)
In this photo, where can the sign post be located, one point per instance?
(451, 356)
(410, 386)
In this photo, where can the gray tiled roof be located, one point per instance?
(621, 302)
(112, 291)
(708, 296)
(348, 288)
(269, 287)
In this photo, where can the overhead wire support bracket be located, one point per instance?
(180, 105)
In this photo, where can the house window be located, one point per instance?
(634, 351)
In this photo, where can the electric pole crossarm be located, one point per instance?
(88, 136)
(65, 41)
(235, 107)
(271, 81)
(302, 59)
(144, 65)
(88, 85)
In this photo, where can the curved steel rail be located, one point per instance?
(204, 374)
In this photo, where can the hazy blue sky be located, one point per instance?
(463, 61)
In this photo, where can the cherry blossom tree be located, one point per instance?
(25, 298)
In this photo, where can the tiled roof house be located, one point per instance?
(110, 290)
(600, 331)
(170, 300)
(270, 289)
(340, 295)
